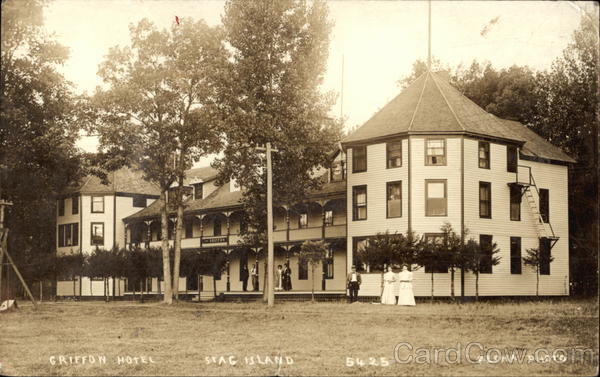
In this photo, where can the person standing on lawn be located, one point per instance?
(353, 281)
(244, 277)
(406, 295)
(388, 296)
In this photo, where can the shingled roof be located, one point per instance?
(222, 198)
(124, 180)
(431, 105)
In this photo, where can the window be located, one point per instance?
(61, 207)
(337, 172)
(515, 255)
(394, 154)
(485, 200)
(435, 152)
(198, 191)
(303, 220)
(436, 203)
(303, 270)
(485, 264)
(139, 201)
(97, 204)
(484, 155)
(217, 227)
(189, 227)
(75, 205)
(544, 256)
(359, 203)
(394, 199)
(511, 158)
(359, 159)
(515, 203)
(438, 266)
(328, 217)
(68, 235)
(545, 205)
(97, 234)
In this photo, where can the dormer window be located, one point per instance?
(198, 190)
(337, 171)
(435, 152)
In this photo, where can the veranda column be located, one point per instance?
(201, 218)
(148, 233)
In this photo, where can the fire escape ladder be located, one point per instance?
(530, 190)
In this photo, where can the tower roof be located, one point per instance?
(430, 105)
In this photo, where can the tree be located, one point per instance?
(38, 129)
(480, 258)
(312, 253)
(70, 266)
(450, 252)
(137, 269)
(534, 259)
(157, 113)
(418, 68)
(381, 250)
(105, 264)
(568, 96)
(408, 250)
(270, 92)
(429, 257)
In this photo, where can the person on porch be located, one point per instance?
(287, 277)
(353, 281)
(244, 277)
(406, 295)
(279, 278)
(254, 274)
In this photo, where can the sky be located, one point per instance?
(378, 41)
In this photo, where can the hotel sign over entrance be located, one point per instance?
(214, 240)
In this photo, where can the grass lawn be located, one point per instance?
(317, 338)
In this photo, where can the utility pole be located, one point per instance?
(4, 250)
(429, 39)
(270, 247)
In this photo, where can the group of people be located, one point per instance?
(284, 278)
(401, 294)
(253, 274)
(392, 294)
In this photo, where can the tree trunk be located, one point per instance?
(265, 285)
(537, 282)
(432, 286)
(164, 227)
(477, 286)
(142, 286)
(452, 283)
(178, 229)
(41, 290)
(312, 293)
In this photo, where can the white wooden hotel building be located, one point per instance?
(429, 156)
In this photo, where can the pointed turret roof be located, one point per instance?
(430, 105)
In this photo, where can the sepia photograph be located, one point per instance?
(299, 188)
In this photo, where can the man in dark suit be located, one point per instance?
(244, 277)
(353, 281)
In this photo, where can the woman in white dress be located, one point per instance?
(388, 297)
(405, 294)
